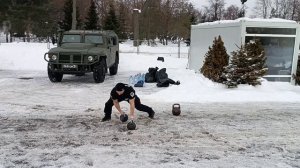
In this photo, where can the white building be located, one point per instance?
(279, 37)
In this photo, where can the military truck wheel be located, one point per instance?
(113, 70)
(54, 76)
(99, 72)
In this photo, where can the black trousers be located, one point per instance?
(137, 102)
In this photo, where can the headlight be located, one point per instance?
(90, 58)
(54, 57)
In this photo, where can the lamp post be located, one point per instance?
(243, 8)
(47, 34)
(136, 33)
(74, 16)
(6, 28)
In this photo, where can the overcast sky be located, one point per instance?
(250, 4)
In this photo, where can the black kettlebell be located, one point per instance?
(131, 125)
(176, 109)
(124, 117)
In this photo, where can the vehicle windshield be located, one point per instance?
(94, 39)
(71, 38)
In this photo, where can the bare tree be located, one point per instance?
(215, 10)
(103, 7)
(297, 11)
(232, 12)
(263, 8)
(294, 5)
(275, 13)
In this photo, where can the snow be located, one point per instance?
(29, 56)
(46, 124)
(245, 19)
(194, 86)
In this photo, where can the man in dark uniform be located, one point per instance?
(125, 92)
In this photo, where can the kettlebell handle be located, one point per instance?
(176, 104)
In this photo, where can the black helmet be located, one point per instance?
(120, 86)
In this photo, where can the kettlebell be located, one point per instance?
(124, 117)
(176, 109)
(131, 125)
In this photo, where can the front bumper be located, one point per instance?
(77, 69)
(71, 63)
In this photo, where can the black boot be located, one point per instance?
(151, 114)
(106, 118)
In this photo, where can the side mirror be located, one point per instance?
(53, 40)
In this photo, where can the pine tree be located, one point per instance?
(123, 22)
(215, 60)
(232, 73)
(32, 17)
(248, 65)
(297, 76)
(230, 77)
(111, 22)
(92, 18)
(68, 10)
(4, 7)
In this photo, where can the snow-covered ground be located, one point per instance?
(46, 124)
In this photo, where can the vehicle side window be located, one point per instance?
(95, 39)
(71, 38)
(114, 39)
(108, 41)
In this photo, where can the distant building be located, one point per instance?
(280, 39)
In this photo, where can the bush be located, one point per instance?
(215, 60)
(297, 75)
(248, 65)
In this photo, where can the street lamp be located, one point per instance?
(47, 34)
(243, 1)
(136, 32)
(243, 8)
(74, 21)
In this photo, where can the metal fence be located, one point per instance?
(177, 49)
(4, 39)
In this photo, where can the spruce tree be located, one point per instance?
(111, 22)
(248, 65)
(26, 16)
(4, 9)
(68, 10)
(297, 75)
(230, 76)
(215, 60)
(232, 73)
(123, 22)
(92, 18)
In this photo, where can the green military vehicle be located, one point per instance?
(82, 51)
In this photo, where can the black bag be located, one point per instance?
(166, 83)
(161, 76)
(150, 75)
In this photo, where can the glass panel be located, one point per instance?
(281, 79)
(95, 39)
(279, 52)
(261, 30)
(71, 38)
